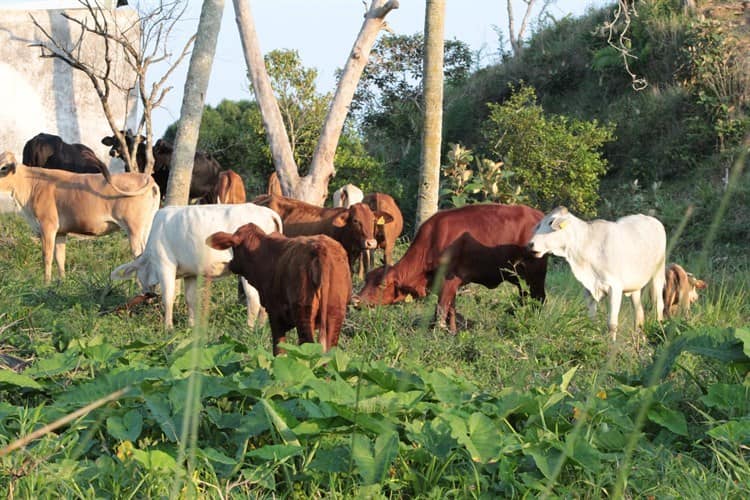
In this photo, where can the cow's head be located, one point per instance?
(360, 222)
(243, 243)
(552, 233)
(383, 287)
(141, 269)
(115, 148)
(7, 165)
(695, 285)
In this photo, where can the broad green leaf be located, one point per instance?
(735, 433)
(334, 390)
(447, 388)
(155, 460)
(276, 452)
(668, 418)
(160, 411)
(281, 421)
(205, 358)
(433, 435)
(290, 370)
(730, 398)
(373, 461)
(10, 377)
(480, 435)
(566, 378)
(393, 379)
(110, 382)
(332, 460)
(744, 335)
(59, 362)
(210, 387)
(545, 458)
(126, 427)
(580, 451)
(216, 456)
(102, 353)
(390, 402)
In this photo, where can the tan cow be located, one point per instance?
(680, 290)
(56, 203)
(230, 189)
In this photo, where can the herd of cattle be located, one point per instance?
(295, 259)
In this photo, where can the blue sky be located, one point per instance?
(322, 31)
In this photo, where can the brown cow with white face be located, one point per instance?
(353, 227)
(56, 203)
(303, 282)
(483, 244)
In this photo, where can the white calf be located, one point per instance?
(608, 258)
(176, 248)
(347, 195)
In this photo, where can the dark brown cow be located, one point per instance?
(230, 189)
(483, 244)
(50, 151)
(385, 234)
(303, 282)
(680, 290)
(353, 227)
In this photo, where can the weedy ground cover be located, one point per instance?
(523, 401)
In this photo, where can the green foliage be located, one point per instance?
(554, 159)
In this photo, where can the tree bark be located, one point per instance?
(312, 188)
(429, 175)
(199, 72)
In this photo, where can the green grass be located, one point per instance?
(488, 412)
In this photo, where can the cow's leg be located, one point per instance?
(362, 266)
(615, 300)
(334, 320)
(278, 334)
(304, 319)
(446, 307)
(48, 236)
(657, 291)
(590, 303)
(637, 309)
(191, 298)
(168, 282)
(60, 254)
(255, 311)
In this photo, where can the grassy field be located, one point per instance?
(523, 401)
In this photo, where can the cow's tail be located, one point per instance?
(320, 276)
(137, 192)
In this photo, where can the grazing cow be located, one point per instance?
(608, 258)
(303, 282)
(274, 186)
(206, 169)
(176, 249)
(385, 234)
(230, 189)
(483, 244)
(680, 290)
(353, 227)
(347, 195)
(50, 151)
(57, 203)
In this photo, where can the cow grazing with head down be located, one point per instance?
(353, 227)
(57, 203)
(385, 234)
(50, 151)
(608, 258)
(483, 244)
(230, 189)
(303, 282)
(176, 249)
(347, 195)
(205, 174)
(680, 290)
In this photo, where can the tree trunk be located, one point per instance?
(314, 187)
(178, 188)
(429, 175)
(278, 140)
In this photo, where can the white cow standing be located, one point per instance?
(176, 248)
(347, 195)
(608, 258)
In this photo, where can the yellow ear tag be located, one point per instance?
(409, 299)
(380, 221)
(563, 224)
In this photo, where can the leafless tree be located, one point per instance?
(141, 40)
(312, 188)
(516, 38)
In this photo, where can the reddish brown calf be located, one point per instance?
(386, 233)
(230, 189)
(483, 244)
(303, 282)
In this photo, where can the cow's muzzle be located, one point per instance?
(371, 244)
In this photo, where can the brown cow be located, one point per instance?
(303, 282)
(385, 234)
(230, 189)
(483, 244)
(680, 290)
(57, 203)
(353, 227)
(274, 186)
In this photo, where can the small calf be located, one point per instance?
(303, 282)
(680, 290)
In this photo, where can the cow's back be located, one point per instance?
(39, 148)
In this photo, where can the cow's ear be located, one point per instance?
(559, 223)
(125, 271)
(383, 218)
(341, 219)
(700, 284)
(221, 241)
(108, 141)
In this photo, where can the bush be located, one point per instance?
(554, 159)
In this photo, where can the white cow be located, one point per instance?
(608, 258)
(347, 195)
(176, 248)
